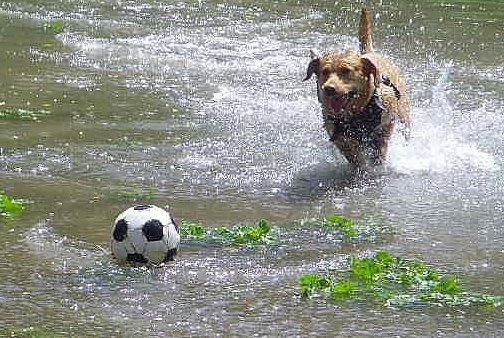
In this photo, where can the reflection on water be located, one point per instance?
(200, 106)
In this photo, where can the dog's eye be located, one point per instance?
(326, 72)
(344, 72)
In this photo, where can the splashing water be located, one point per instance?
(433, 146)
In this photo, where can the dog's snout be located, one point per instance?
(330, 90)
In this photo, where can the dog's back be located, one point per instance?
(398, 109)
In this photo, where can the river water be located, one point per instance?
(199, 105)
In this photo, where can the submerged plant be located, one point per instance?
(345, 225)
(192, 230)
(333, 222)
(313, 283)
(244, 234)
(394, 280)
(349, 229)
(54, 27)
(11, 208)
(23, 114)
(28, 332)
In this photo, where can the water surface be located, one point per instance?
(200, 106)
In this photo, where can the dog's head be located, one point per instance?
(346, 80)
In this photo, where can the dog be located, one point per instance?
(362, 96)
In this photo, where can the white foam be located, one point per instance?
(435, 146)
(433, 149)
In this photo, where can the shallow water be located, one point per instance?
(200, 106)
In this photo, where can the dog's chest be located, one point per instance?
(364, 126)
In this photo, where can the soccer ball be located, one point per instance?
(145, 234)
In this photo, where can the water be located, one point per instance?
(201, 106)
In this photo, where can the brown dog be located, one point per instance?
(361, 97)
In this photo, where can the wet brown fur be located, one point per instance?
(357, 77)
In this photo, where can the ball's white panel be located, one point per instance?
(135, 243)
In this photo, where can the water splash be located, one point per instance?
(436, 146)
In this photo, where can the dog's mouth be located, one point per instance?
(338, 103)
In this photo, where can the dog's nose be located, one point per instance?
(330, 90)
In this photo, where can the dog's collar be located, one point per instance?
(361, 125)
(386, 81)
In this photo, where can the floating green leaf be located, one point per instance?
(395, 281)
(28, 332)
(23, 114)
(244, 234)
(54, 27)
(11, 208)
(342, 224)
(192, 230)
(345, 226)
(343, 289)
(311, 283)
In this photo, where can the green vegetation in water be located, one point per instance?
(245, 234)
(11, 208)
(345, 225)
(28, 332)
(395, 281)
(348, 228)
(54, 27)
(258, 233)
(125, 140)
(23, 114)
(192, 230)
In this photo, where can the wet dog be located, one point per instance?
(362, 96)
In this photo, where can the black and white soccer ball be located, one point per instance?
(145, 234)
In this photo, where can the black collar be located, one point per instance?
(386, 81)
(367, 122)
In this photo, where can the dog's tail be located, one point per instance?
(366, 42)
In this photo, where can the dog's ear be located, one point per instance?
(369, 67)
(313, 68)
(314, 53)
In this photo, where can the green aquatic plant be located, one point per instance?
(28, 332)
(348, 229)
(343, 289)
(127, 141)
(11, 208)
(341, 224)
(345, 225)
(192, 230)
(54, 27)
(312, 283)
(395, 281)
(245, 234)
(23, 114)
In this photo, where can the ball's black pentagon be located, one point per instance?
(142, 207)
(153, 230)
(120, 230)
(137, 258)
